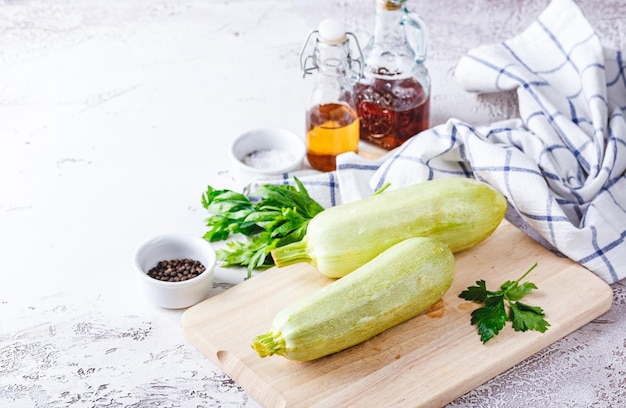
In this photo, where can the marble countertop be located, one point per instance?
(115, 116)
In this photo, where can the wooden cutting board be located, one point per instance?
(427, 361)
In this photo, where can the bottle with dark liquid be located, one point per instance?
(393, 95)
(332, 122)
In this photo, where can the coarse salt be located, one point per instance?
(268, 159)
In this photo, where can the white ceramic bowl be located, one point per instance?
(265, 152)
(175, 295)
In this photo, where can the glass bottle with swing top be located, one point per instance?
(332, 122)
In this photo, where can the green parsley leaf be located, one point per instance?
(476, 293)
(251, 253)
(276, 216)
(519, 291)
(492, 316)
(526, 317)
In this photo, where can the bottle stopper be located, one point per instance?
(332, 32)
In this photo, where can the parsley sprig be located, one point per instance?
(279, 215)
(492, 317)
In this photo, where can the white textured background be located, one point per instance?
(115, 115)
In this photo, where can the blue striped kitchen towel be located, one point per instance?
(560, 164)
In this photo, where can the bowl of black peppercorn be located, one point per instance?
(175, 271)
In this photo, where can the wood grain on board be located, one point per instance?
(425, 362)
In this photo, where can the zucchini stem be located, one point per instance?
(269, 344)
(292, 253)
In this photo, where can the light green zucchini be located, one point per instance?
(459, 212)
(397, 285)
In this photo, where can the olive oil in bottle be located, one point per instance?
(333, 128)
(332, 122)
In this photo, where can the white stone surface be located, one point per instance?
(115, 116)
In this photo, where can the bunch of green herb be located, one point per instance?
(278, 216)
(492, 317)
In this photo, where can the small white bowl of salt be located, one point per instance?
(265, 152)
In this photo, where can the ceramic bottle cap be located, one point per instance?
(332, 32)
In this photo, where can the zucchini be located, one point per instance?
(395, 286)
(459, 212)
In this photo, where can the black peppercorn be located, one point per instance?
(176, 270)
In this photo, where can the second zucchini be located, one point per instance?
(459, 212)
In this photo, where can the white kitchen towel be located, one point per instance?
(560, 164)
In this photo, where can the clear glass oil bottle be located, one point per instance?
(393, 95)
(332, 122)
